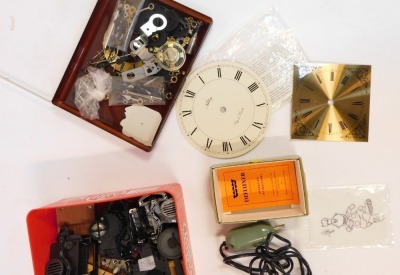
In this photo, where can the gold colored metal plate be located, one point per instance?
(331, 102)
(110, 57)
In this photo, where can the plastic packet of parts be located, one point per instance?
(122, 24)
(269, 48)
(144, 91)
(346, 217)
(90, 89)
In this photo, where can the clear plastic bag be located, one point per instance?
(86, 104)
(102, 82)
(269, 48)
(346, 217)
(120, 28)
(144, 91)
(90, 89)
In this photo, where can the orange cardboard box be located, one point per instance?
(44, 223)
(259, 190)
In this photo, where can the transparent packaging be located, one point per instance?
(269, 48)
(90, 89)
(346, 217)
(144, 91)
(122, 24)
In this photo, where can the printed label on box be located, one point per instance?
(258, 186)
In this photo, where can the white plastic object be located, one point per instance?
(141, 123)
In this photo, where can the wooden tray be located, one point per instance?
(91, 43)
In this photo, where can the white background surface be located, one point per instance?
(47, 154)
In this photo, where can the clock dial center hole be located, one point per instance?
(223, 109)
(331, 102)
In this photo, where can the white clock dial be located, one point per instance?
(224, 109)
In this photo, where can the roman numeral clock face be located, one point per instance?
(224, 109)
(331, 102)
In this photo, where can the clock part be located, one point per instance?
(224, 109)
(331, 102)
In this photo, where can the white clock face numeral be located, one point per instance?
(224, 109)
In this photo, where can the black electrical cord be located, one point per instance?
(270, 261)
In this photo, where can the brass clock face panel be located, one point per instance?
(331, 102)
(224, 109)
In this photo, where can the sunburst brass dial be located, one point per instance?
(331, 102)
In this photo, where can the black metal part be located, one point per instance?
(69, 256)
(127, 235)
(115, 237)
(176, 26)
(168, 244)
